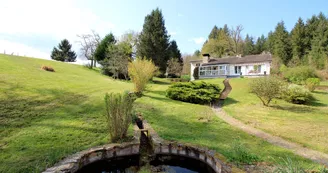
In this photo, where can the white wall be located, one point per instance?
(192, 68)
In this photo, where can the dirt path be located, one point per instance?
(313, 155)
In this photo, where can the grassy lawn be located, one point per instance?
(304, 124)
(47, 116)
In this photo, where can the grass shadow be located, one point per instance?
(229, 101)
(321, 92)
(293, 108)
(161, 82)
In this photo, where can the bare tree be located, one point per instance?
(236, 38)
(89, 43)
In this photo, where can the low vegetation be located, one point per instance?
(194, 92)
(118, 114)
(266, 89)
(299, 75)
(241, 155)
(296, 94)
(140, 72)
(312, 83)
(48, 68)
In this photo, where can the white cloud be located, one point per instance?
(57, 19)
(173, 33)
(199, 40)
(20, 49)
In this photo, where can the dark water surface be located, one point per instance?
(161, 163)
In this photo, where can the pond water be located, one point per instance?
(161, 163)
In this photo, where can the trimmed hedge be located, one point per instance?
(194, 92)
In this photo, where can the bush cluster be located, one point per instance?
(48, 68)
(298, 75)
(311, 83)
(194, 92)
(296, 94)
(185, 78)
(118, 114)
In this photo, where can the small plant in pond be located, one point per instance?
(296, 94)
(311, 83)
(140, 72)
(118, 114)
(266, 89)
(194, 92)
(241, 155)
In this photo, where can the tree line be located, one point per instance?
(305, 44)
(114, 54)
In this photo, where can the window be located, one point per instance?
(211, 70)
(257, 68)
(237, 69)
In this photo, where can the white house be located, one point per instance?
(249, 66)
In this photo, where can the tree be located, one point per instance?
(174, 51)
(226, 29)
(64, 52)
(117, 58)
(132, 38)
(298, 40)
(269, 42)
(281, 43)
(260, 45)
(214, 33)
(319, 44)
(235, 34)
(249, 45)
(266, 89)
(218, 47)
(100, 52)
(174, 67)
(89, 43)
(196, 53)
(154, 40)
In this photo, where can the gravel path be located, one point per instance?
(313, 155)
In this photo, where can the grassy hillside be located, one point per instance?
(304, 124)
(46, 116)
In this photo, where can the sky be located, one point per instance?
(32, 28)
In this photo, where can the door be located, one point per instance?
(238, 70)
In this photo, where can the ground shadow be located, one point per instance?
(292, 108)
(228, 101)
(161, 82)
(321, 92)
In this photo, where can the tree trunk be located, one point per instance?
(227, 89)
(91, 66)
(95, 63)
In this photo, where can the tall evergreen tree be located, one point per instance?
(214, 33)
(260, 45)
(100, 52)
(174, 51)
(249, 45)
(64, 52)
(154, 40)
(319, 43)
(226, 29)
(269, 42)
(298, 40)
(281, 43)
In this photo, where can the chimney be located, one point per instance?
(206, 58)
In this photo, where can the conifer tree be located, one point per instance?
(154, 40)
(281, 43)
(298, 40)
(214, 33)
(260, 45)
(63, 52)
(249, 45)
(174, 51)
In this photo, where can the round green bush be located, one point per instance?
(311, 83)
(194, 92)
(185, 78)
(296, 94)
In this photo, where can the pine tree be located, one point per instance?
(260, 45)
(319, 43)
(298, 40)
(281, 43)
(64, 52)
(249, 45)
(226, 29)
(268, 46)
(100, 52)
(214, 33)
(174, 51)
(154, 40)
(310, 29)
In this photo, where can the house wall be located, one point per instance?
(192, 68)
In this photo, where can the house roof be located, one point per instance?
(240, 60)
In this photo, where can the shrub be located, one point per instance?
(266, 88)
(196, 73)
(296, 94)
(241, 155)
(118, 114)
(141, 71)
(47, 68)
(288, 166)
(298, 75)
(194, 92)
(311, 83)
(185, 78)
(323, 74)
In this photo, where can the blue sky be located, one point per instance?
(34, 27)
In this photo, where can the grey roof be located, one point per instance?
(240, 60)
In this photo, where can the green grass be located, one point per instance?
(47, 116)
(304, 124)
